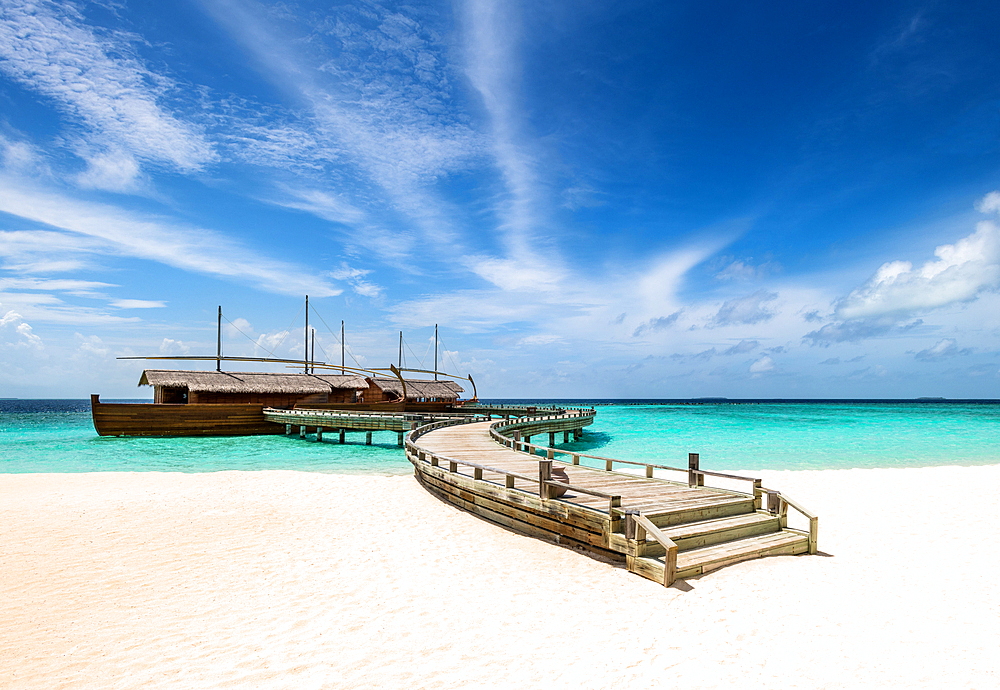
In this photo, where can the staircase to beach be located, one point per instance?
(662, 529)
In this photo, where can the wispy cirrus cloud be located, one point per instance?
(400, 129)
(103, 86)
(112, 231)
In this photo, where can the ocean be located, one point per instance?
(58, 436)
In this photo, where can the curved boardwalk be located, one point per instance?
(662, 529)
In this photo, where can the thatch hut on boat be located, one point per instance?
(386, 389)
(270, 390)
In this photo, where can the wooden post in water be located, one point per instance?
(694, 478)
(368, 438)
(288, 430)
(399, 439)
(302, 430)
(552, 438)
(343, 433)
(566, 436)
(319, 433)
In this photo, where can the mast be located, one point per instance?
(218, 351)
(400, 365)
(305, 357)
(435, 352)
(341, 348)
(312, 360)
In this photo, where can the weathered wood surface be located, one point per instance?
(125, 419)
(675, 528)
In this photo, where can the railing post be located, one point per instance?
(550, 454)
(608, 464)
(757, 493)
(694, 478)
(509, 481)
(630, 524)
(615, 502)
(452, 466)
(517, 439)
(773, 502)
(544, 475)
(649, 471)
(576, 458)
(477, 473)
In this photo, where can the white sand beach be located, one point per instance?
(303, 580)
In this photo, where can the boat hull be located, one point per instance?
(145, 419)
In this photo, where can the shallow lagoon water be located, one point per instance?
(58, 436)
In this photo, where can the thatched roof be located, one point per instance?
(242, 382)
(416, 388)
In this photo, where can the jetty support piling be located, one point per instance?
(552, 438)
(319, 433)
(343, 433)
(368, 438)
(288, 430)
(399, 439)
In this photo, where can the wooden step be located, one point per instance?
(699, 561)
(695, 535)
(716, 508)
(707, 558)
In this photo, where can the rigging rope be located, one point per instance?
(346, 348)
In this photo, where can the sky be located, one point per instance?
(590, 199)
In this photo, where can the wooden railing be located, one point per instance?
(547, 487)
(696, 476)
(637, 528)
(778, 504)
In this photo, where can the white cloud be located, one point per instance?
(138, 303)
(762, 366)
(946, 347)
(113, 170)
(21, 328)
(100, 81)
(540, 339)
(91, 345)
(961, 272)
(746, 310)
(989, 203)
(109, 230)
(169, 346)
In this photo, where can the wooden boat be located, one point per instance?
(128, 419)
(224, 403)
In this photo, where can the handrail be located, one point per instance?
(778, 503)
(496, 435)
(614, 500)
(637, 527)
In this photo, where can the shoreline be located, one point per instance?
(281, 578)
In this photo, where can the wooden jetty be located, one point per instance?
(661, 529)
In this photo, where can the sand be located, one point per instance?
(303, 580)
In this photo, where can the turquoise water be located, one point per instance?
(58, 436)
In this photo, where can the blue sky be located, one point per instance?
(630, 199)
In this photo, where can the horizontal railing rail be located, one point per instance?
(422, 454)
(692, 472)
